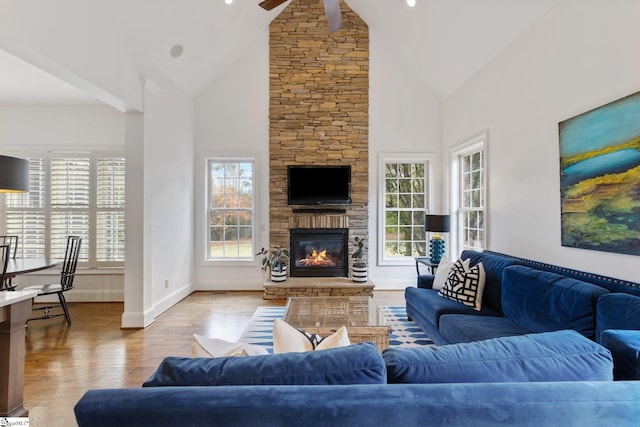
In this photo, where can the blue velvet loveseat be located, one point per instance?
(522, 296)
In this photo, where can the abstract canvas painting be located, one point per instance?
(600, 178)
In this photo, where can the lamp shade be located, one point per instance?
(14, 175)
(437, 223)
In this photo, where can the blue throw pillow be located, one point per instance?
(550, 356)
(617, 311)
(541, 301)
(355, 364)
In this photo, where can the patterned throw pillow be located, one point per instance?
(465, 284)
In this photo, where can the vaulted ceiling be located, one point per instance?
(444, 42)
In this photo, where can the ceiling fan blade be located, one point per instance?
(334, 16)
(271, 4)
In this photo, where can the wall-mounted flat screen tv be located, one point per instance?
(319, 185)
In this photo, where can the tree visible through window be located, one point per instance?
(405, 204)
(231, 209)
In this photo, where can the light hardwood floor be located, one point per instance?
(94, 352)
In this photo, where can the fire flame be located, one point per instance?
(316, 259)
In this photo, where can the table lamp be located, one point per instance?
(436, 224)
(14, 175)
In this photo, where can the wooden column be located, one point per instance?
(14, 312)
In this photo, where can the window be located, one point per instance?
(469, 179)
(405, 185)
(71, 194)
(230, 209)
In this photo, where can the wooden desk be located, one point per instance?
(15, 309)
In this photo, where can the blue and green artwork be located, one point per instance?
(600, 178)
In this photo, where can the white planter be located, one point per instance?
(279, 276)
(359, 273)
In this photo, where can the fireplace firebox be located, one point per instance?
(319, 252)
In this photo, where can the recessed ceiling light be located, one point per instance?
(228, 2)
(176, 50)
(411, 3)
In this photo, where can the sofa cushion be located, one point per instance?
(541, 301)
(431, 305)
(625, 349)
(356, 364)
(493, 268)
(464, 284)
(552, 356)
(458, 328)
(617, 311)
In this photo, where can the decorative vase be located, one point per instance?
(436, 249)
(359, 272)
(278, 275)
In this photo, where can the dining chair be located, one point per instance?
(67, 274)
(12, 242)
(5, 254)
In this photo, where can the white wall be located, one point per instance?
(581, 55)
(232, 119)
(159, 215)
(404, 117)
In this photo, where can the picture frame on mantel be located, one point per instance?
(600, 178)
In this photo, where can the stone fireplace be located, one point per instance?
(319, 252)
(318, 115)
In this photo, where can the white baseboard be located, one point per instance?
(137, 320)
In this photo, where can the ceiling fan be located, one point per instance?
(331, 9)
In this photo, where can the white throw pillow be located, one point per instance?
(288, 339)
(442, 272)
(213, 347)
(465, 285)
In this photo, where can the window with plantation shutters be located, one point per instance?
(26, 214)
(70, 202)
(110, 210)
(71, 194)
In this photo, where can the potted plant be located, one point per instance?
(359, 270)
(275, 260)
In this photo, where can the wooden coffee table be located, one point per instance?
(324, 315)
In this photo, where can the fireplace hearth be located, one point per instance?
(319, 252)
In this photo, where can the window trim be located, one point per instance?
(206, 260)
(400, 157)
(474, 144)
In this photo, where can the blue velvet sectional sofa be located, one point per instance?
(542, 351)
(522, 296)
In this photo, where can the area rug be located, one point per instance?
(403, 332)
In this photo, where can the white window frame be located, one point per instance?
(383, 158)
(473, 145)
(89, 260)
(206, 210)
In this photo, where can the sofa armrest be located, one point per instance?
(425, 281)
(624, 346)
